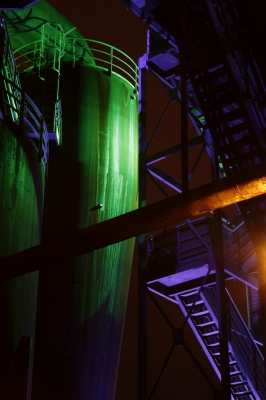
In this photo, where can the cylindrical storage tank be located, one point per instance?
(92, 177)
(21, 204)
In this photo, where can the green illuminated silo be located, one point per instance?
(92, 177)
(21, 203)
(82, 303)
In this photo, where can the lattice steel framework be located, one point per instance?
(209, 56)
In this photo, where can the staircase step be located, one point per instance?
(226, 101)
(210, 76)
(203, 325)
(208, 334)
(243, 392)
(197, 303)
(199, 314)
(214, 344)
(188, 294)
(215, 351)
(234, 373)
(214, 355)
(234, 145)
(238, 383)
(230, 116)
(218, 89)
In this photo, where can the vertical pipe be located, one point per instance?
(184, 121)
(142, 297)
(184, 128)
(221, 295)
(222, 312)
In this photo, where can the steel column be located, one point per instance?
(221, 294)
(142, 241)
(184, 110)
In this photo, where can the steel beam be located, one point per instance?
(142, 241)
(165, 178)
(161, 155)
(221, 306)
(174, 210)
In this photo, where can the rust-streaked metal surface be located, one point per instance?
(233, 189)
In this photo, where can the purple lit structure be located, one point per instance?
(209, 57)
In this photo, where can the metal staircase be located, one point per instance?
(16, 107)
(50, 104)
(245, 360)
(43, 58)
(215, 46)
(52, 49)
(178, 265)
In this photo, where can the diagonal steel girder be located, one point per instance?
(174, 210)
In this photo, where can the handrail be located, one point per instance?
(58, 122)
(26, 60)
(8, 62)
(17, 106)
(119, 62)
(245, 348)
(106, 57)
(22, 111)
(242, 344)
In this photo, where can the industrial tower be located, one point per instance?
(63, 326)
(209, 55)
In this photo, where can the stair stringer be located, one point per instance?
(259, 387)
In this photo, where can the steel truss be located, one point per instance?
(215, 73)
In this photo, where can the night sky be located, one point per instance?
(109, 21)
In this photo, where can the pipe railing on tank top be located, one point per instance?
(106, 57)
(28, 56)
(110, 59)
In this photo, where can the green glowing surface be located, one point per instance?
(97, 164)
(21, 212)
(20, 218)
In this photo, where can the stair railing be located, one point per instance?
(108, 58)
(245, 348)
(241, 342)
(16, 106)
(27, 116)
(52, 46)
